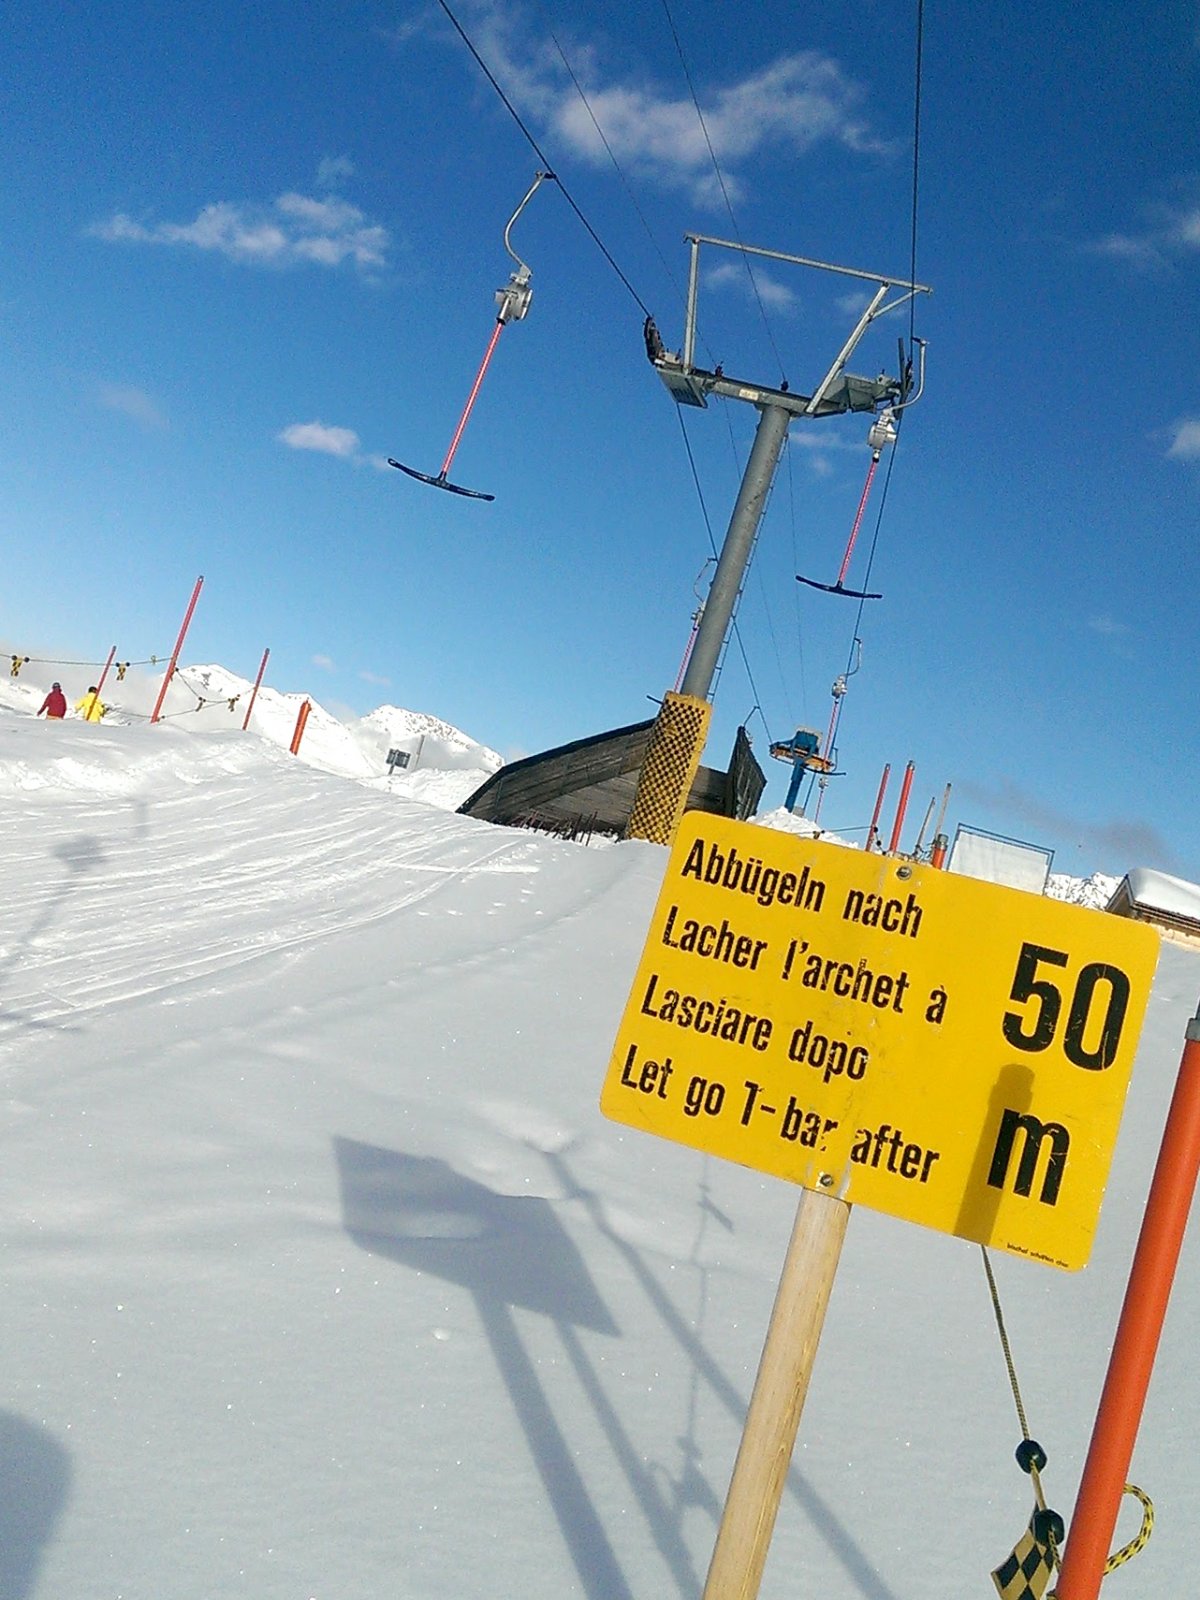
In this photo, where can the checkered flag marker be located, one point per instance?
(1029, 1568)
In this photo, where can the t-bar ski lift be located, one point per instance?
(883, 432)
(838, 391)
(512, 303)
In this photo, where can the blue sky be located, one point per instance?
(250, 252)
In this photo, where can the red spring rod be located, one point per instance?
(1136, 1344)
(901, 808)
(873, 830)
(862, 506)
(254, 692)
(471, 398)
(162, 693)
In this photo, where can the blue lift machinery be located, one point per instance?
(803, 751)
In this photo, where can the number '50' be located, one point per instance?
(1089, 1038)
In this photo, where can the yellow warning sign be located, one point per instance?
(932, 1046)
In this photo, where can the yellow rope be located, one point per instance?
(1031, 1464)
(1138, 1542)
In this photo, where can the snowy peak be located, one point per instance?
(428, 738)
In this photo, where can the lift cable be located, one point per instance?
(856, 632)
(916, 169)
(795, 563)
(724, 191)
(887, 479)
(619, 170)
(567, 196)
(540, 153)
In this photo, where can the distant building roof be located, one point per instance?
(1171, 904)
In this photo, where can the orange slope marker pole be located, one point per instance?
(104, 674)
(301, 721)
(901, 808)
(1136, 1344)
(162, 693)
(873, 830)
(257, 685)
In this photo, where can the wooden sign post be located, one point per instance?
(780, 1390)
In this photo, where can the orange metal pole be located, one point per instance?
(937, 855)
(104, 674)
(301, 720)
(901, 808)
(257, 684)
(1136, 1343)
(873, 829)
(162, 693)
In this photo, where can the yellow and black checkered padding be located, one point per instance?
(1029, 1568)
(669, 769)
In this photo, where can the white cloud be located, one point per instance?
(820, 439)
(324, 662)
(132, 402)
(375, 680)
(1170, 233)
(795, 102)
(1124, 247)
(331, 170)
(773, 294)
(1185, 443)
(293, 228)
(320, 437)
(1108, 627)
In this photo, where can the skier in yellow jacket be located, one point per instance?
(90, 707)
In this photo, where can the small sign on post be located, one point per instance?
(398, 758)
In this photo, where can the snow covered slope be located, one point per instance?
(445, 764)
(324, 1279)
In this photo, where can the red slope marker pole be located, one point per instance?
(1136, 1343)
(162, 693)
(257, 685)
(104, 674)
(301, 720)
(873, 830)
(901, 808)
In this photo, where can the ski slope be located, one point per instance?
(324, 1279)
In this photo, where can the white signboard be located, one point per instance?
(995, 859)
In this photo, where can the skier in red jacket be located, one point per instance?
(55, 704)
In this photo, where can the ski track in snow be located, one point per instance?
(209, 899)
